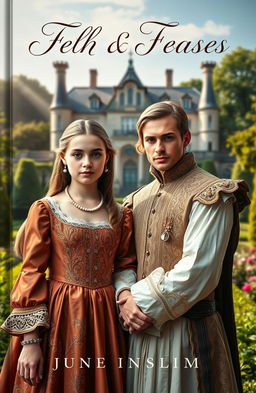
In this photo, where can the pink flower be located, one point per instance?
(252, 278)
(247, 287)
(251, 260)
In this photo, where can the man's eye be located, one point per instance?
(168, 137)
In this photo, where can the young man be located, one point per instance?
(180, 309)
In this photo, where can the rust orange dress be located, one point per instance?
(83, 343)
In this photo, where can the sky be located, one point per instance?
(229, 20)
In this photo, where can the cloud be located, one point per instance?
(123, 3)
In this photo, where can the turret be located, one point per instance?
(60, 115)
(208, 112)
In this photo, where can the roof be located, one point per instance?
(79, 97)
(130, 75)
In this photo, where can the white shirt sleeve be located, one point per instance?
(168, 295)
(124, 280)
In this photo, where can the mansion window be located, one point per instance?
(128, 124)
(130, 96)
(95, 103)
(187, 103)
(209, 121)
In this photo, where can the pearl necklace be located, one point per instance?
(85, 209)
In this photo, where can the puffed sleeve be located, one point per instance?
(30, 292)
(126, 264)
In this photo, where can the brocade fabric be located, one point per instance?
(82, 340)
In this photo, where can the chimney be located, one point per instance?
(168, 74)
(93, 78)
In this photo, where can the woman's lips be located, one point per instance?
(86, 173)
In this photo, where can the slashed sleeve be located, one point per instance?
(168, 295)
(126, 264)
(30, 293)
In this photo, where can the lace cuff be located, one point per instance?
(25, 320)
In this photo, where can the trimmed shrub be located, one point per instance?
(239, 173)
(27, 187)
(245, 324)
(252, 215)
(5, 216)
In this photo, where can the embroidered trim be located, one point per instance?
(73, 221)
(211, 194)
(24, 320)
(157, 291)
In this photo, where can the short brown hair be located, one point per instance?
(157, 111)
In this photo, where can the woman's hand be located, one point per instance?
(30, 364)
(133, 317)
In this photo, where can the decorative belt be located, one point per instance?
(202, 309)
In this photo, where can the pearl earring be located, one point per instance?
(106, 170)
(65, 168)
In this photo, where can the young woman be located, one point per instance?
(68, 336)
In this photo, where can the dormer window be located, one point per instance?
(164, 97)
(187, 102)
(94, 102)
(130, 96)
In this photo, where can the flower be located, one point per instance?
(247, 287)
(252, 278)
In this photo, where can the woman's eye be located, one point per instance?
(96, 154)
(77, 155)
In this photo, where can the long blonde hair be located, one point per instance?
(59, 179)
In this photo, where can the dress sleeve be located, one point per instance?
(30, 292)
(168, 295)
(126, 264)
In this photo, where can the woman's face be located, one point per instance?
(85, 158)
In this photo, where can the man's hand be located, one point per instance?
(133, 317)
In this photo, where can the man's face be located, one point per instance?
(163, 143)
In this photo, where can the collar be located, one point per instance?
(184, 165)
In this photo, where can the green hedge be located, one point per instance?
(245, 314)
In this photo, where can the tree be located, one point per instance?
(197, 83)
(31, 136)
(5, 208)
(31, 100)
(243, 145)
(27, 187)
(235, 83)
(239, 173)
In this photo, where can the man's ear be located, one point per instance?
(186, 139)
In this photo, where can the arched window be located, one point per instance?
(130, 96)
(121, 99)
